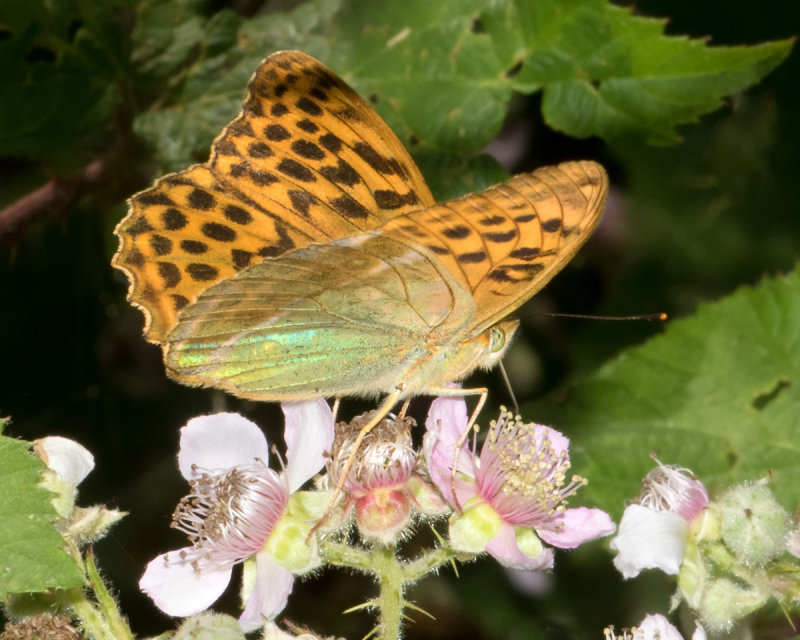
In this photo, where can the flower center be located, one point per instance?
(386, 456)
(229, 515)
(522, 473)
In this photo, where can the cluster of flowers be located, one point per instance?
(508, 499)
(731, 556)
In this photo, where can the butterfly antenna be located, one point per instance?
(507, 382)
(650, 317)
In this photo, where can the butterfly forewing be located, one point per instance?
(306, 161)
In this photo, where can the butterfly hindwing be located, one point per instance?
(349, 317)
(506, 242)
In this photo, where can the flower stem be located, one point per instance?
(392, 574)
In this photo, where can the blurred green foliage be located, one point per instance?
(99, 97)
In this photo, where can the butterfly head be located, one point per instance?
(497, 339)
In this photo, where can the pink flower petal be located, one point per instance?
(177, 589)
(220, 441)
(649, 539)
(573, 527)
(505, 550)
(446, 422)
(308, 434)
(270, 594)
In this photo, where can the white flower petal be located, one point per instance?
(270, 593)
(220, 441)
(649, 539)
(177, 589)
(308, 434)
(656, 627)
(70, 460)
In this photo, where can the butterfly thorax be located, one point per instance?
(454, 361)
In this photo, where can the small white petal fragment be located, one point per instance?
(70, 460)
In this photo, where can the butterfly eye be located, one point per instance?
(497, 339)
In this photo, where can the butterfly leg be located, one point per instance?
(403, 409)
(454, 391)
(380, 413)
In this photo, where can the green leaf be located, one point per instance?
(59, 63)
(32, 551)
(441, 74)
(718, 393)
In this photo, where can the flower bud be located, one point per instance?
(725, 601)
(754, 525)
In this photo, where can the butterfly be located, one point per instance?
(308, 257)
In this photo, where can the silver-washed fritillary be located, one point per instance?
(308, 258)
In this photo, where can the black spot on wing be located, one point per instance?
(307, 126)
(173, 219)
(169, 273)
(372, 158)
(349, 208)
(309, 106)
(259, 150)
(140, 226)
(178, 301)
(307, 149)
(148, 199)
(194, 246)
(239, 128)
(279, 110)
(202, 200)
(492, 221)
(389, 199)
(472, 257)
(301, 201)
(526, 253)
(217, 231)
(160, 245)
(200, 272)
(342, 173)
(237, 214)
(135, 258)
(331, 142)
(276, 132)
(295, 170)
(241, 258)
(501, 236)
(458, 232)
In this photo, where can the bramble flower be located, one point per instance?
(654, 529)
(513, 494)
(653, 627)
(240, 510)
(382, 485)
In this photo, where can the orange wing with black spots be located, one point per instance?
(506, 242)
(307, 160)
